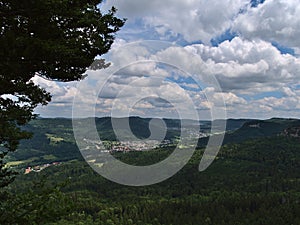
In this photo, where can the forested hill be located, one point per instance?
(53, 139)
(261, 128)
(139, 126)
(253, 182)
(253, 129)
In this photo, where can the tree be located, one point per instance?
(55, 39)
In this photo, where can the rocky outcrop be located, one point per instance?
(292, 132)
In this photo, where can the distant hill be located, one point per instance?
(53, 139)
(252, 182)
(139, 126)
(262, 128)
(253, 129)
(231, 124)
(292, 131)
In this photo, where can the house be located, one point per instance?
(28, 170)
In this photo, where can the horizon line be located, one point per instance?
(165, 118)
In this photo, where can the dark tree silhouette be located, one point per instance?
(55, 39)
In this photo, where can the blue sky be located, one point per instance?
(251, 48)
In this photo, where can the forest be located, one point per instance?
(254, 181)
(203, 57)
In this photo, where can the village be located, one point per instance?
(125, 146)
(138, 145)
(39, 168)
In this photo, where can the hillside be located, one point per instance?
(253, 182)
(53, 139)
(253, 129)
(261, 128)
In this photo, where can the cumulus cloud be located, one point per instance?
(194, 19)
(200, 20)
(50, 86)
(61, 93)
(273, 21)
(146, 68)
(244, 66)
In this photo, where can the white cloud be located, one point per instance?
(143, 68)
(62, 97)
(242, 67)
(274, 20)
(62, 93)
(194, 19)
(246, 67)
(50, 86)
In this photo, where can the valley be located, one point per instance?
(253, 180)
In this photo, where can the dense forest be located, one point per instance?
(254, 181)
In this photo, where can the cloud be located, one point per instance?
(200, 20)
(273, 21)
(62, 97)
(246, 67)
(154, 103)
(194, 19)
(50, 86)
(243, 66)
(143, 68)
(62, 93)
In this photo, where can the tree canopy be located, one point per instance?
(55, 39)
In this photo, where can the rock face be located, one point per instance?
(292, 131)
(254, 125)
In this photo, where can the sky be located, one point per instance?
(216, 59)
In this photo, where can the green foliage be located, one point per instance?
(242, 130)
(57, 40)
(39, 204)
(253, 182)
(250, 182)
